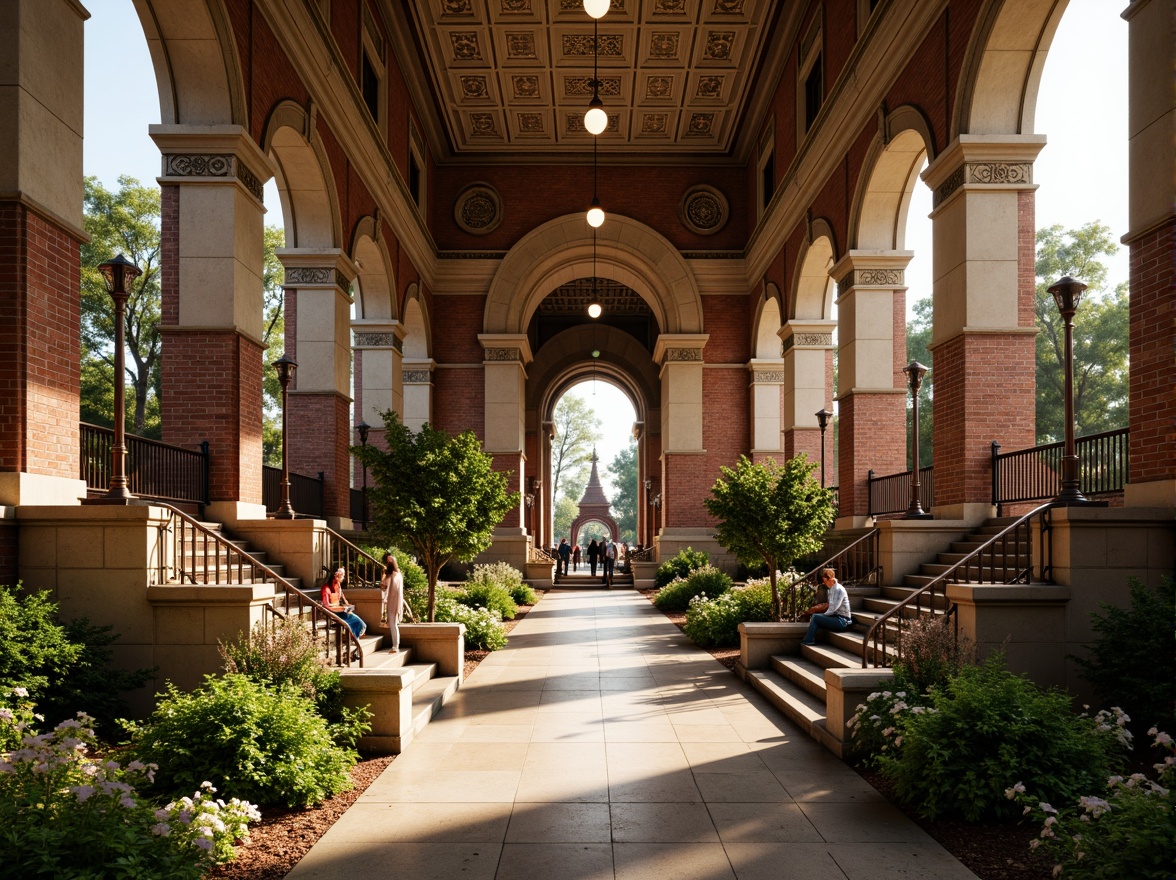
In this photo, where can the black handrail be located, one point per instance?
(155, 470)
(856, 564)
(1034, 474)
(306, 493)
(980, 566)
(892, 493)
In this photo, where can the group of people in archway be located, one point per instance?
(604, 554)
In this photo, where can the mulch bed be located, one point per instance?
(991, 852)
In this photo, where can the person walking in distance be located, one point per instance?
(593, 556)
(576, 557)
(610, 561)
(565, 554)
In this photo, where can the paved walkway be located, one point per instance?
(602, 744)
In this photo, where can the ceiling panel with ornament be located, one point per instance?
(514, 76)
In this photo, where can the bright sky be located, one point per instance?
(1081, 173)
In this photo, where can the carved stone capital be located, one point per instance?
(379, 340)
(212, 165)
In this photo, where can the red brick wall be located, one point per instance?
(984, 391)
(873, 436)
(212, 391)
(1152, 337)
(320, 429)
(40, 335)
(728, 321)
(459, 400)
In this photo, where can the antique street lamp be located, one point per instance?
(363, 428)
(1067, 293)
(822, 420)
(118, 273)
(915, 372)
(285, 367)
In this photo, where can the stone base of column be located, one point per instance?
(1158, 493)
(872, 437)
(17, 489)
(510, 546)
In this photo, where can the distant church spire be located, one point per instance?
(594, 492)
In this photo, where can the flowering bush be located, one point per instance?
(504, 575)
(1129, 833)
(706, 581)
(992, 727)
(264, 744)
(487, 594)
(715, 622)
(877, 722)
(63, 814)
(932, 653)
(484, 630)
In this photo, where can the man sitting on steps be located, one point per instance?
(833, 614)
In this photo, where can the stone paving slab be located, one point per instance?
(602, 744)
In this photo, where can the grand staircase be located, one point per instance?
(584, 580)
(796, 684)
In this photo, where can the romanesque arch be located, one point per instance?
(766, 375)
(195, 58)
(374, 280)
(306, 186)
(560, 251)
(812, 285)
(417, 366)
(891, 172)
(997, 92)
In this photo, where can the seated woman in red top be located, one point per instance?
(333, 598)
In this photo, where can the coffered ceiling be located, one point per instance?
(513, 76)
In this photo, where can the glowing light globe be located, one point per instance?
(595, 214)
(596, 120)
(594, 311)
(597, 8)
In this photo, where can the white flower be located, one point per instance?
(1046, 808)
(20, 692)
(1094, 805)
(1162, 739)
(1057, 870)
(161, 830)
(81, 792)
(1050, 821)
(1017, 789)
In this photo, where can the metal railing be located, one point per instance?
(357, 509)
(540, 554)
(856, 565)
(892, 493)
(1034, 474)
(1005, 558)
(189, 552)
(155, 470)
(363, 570)
(306, 493)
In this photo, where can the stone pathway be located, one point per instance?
(602, 744)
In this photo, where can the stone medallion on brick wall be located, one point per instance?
(478, 209)
(704, 210)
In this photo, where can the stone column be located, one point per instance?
(211, 315)
(982, 340)
(767, 397)
(1152, 239)
(418, 392)
(40, 238)
(380, 384)
(505, 358)
(682, 515)
(808, 388)
(318, 315)
(871, 393)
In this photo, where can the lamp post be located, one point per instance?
(1067, 293)
(648, 512)
(118, 273)
(363, 427)
(822, 420)
(915, 372)
(285, 367)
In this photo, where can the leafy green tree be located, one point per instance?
(566, 511)
(771, 514)
(623, 471)
(127, 222)
(274, 336)
(577, 430)
(1100, 334)
(918, 342)
(435, 493)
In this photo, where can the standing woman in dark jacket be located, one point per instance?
(593, 556)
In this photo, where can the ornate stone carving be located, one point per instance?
(515, 7)
(212, 165)
(878, 277)
(710, 87)
(663, 45)
(503, 354)
(768, 376)
(301, 275)
(457, 7)
(701, 125)
(683, 354)
(520, 45)
(811, 339)
(474, 88)
(718, 45)
(669, 7)
(465, 46)
(417, 377)
(659, 86)
(945, 189)
(525, 86)
(575, 123)
(655, 123)
(728, 7)
(378, 340)
(580, 45)
(483, 125)
(478, 209)
(531, 123)
(581, 86)
(1000, 172)
(704, 210)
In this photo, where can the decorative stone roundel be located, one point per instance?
(478, 209)
(704, 210)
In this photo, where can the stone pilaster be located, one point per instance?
(212, 306)
(505, 359)
(681, 359)
(808, 387)
(983, 332)
(871, 393)
(767, 397)
(417, 376)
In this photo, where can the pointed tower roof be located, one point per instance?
(594, 492)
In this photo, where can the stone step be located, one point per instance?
(808, 676)
(427, 700)
(828, 654)
(799, 706)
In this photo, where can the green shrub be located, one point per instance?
(1129, 833)
(874, 726)
(932, 653)
(414, 576)
(484, 594)
(715, 622)
(34, 647)
(680, 566)
(706, 581)
(484, 630)
(984, 731)
(286, 654)
(524, 595)
(63, 814)
(1132, 663)
(266, 745)
(506, 576)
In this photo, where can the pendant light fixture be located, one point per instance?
(595, 120)
(594, 307)
(597, 8)
(595, 209)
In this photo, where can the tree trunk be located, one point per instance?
(777, 606)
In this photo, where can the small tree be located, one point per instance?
(438, 494)
(771, 514)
